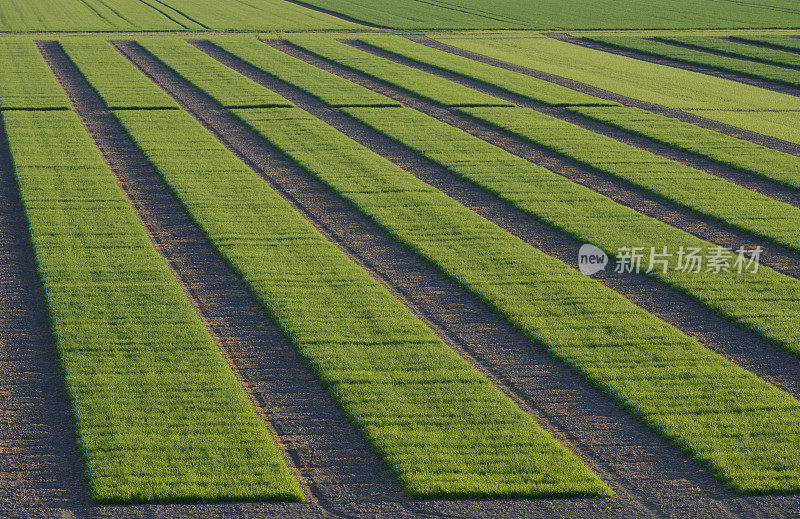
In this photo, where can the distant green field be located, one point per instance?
(555, 14)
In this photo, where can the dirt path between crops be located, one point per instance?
(40, 466)
(761, 185)
(674, 63)
(341, 474)
(650, 476)
(718, 334)
(733, 131)
(775, 256)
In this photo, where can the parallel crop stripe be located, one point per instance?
(741, 426)
(25, 80)
(747, 299)
(426, 85)
(437, 421)
(514, 82)
(115, 78)
(697, 190)
(781, 42)
(229, 88)
(160, 414)
(699, 57)
(737, 153)
(735, 49)
(330, 88)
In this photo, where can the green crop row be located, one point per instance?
(747, 299)
(437, 421)
(698, 57)
(736, 49)
(331, 89)
(26, 81)
(514, 82)
(160, 415)
(697, 190)
(781, 42)
(737, 153)
(745, 429)
(431, 87)
(121, 84)
(229, 88)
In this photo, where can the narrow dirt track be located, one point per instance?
(41, 472)
(778, 366)
(651, 477)
(702, 69)
(775, 256)
(733, 131)
(761, 185)
(340, 472)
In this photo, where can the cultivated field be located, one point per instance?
(337, 259)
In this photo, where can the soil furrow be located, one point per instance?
(702, 69)
(41, 472)
(334, 462)
(650, 475)
(764, 140)
(764, 186)
(779, 367)
(775, 256)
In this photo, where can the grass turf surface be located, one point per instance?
(160, 415)
(743, 428)
(25, 79)
(438, 423)
(781, 125)
(747, 299)
(120, 83)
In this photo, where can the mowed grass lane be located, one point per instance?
(26, 82)
(430, 87)
(780, 42)
(695, 56)
(121, 84)
(514, 82)
(743, 155)
(159, 413)
(737, 49)
(215, 79)
(745, 429)
(327, 87)
(702, 192)
(766, 302)
(438, 423)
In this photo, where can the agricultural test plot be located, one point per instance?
(337, 259)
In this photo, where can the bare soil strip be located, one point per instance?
(336, 466)
(764, 140)
(650, 476)
(779, 367)
(775, 256)
(710, 71)
(764, 186)
(40, 467)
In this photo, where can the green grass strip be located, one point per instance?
(781, 125)
(749, 299)
(514, 82)
(736, 49)
(698, 57)
(439, 424)
(434, 88)
(745, 429)
(323, 85)
(736, 153)
(227, 86)
(781, 42)
(160, 415)
(26, 81)
(117, 80)
(697, 190)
